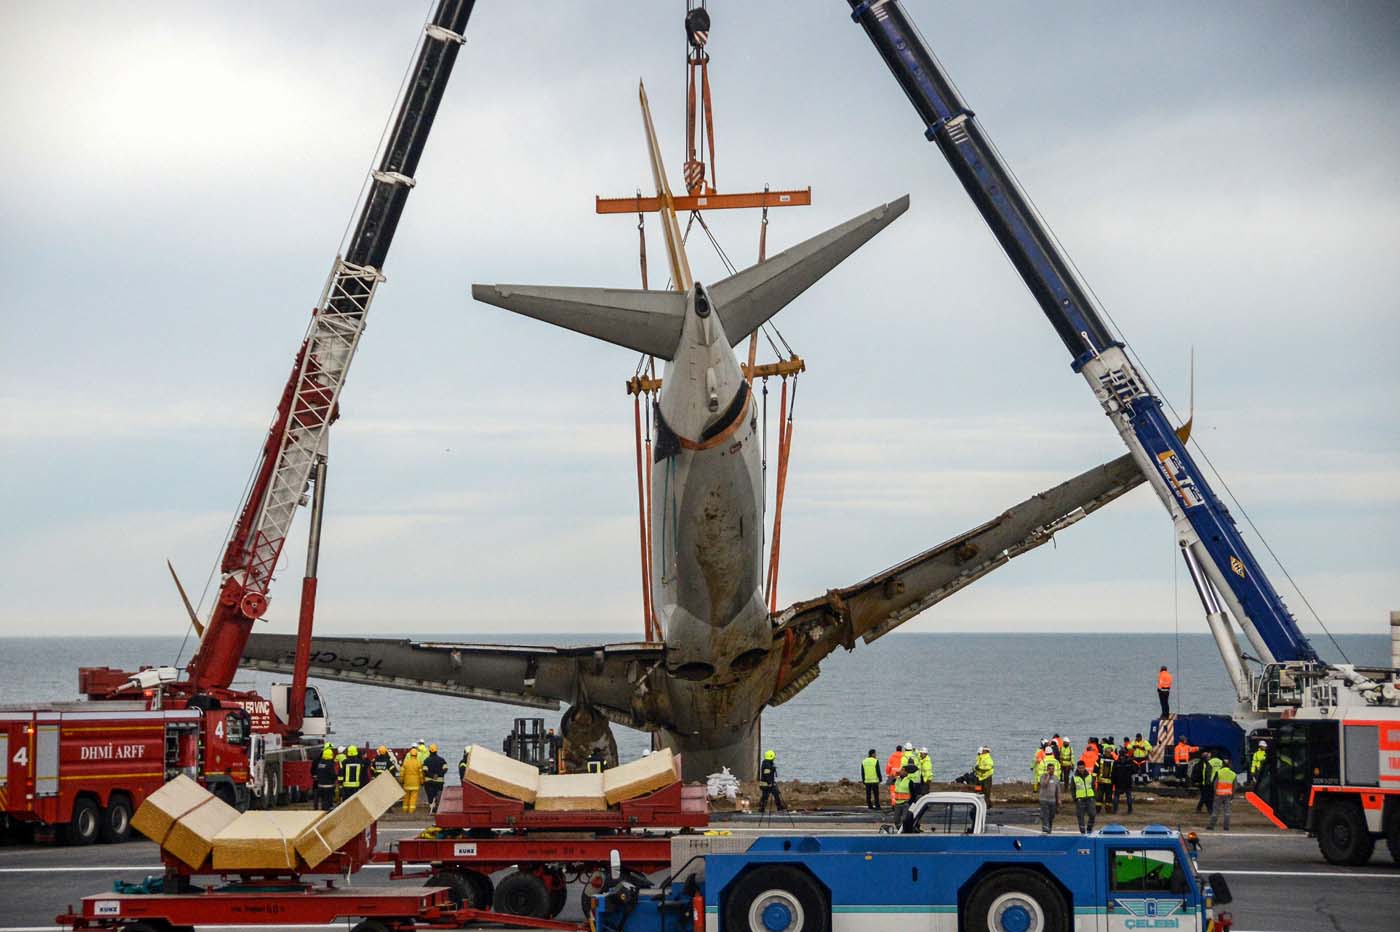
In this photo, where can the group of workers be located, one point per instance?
(1099, 778)
(340, 772)
(1215, 778)
(908, 771)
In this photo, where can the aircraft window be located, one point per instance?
(1143, 870)
(947, 819)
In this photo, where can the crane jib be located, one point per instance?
(310, 400)
(952, 126)
(1217, 531)
(1137, 413)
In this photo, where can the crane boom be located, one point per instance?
(1216, 554)
(308, 405)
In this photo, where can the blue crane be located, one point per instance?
(1220, 563)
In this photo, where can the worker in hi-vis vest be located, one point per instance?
(1224, 796)
(1164, 690)
(896, 761)
(1256, 763)
(870, 776)
(982, 771)
(1082, 783)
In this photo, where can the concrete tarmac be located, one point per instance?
(1279, 881)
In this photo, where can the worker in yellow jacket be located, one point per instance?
(411, 776)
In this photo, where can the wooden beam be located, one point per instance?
(688, 202)
(783, 367)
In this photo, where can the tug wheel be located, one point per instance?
(776, 898)
(1016, 901)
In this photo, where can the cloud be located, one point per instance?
(177, 183)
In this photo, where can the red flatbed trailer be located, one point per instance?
(379, 909)
(480, 833)
(281, 898)
(471, 807)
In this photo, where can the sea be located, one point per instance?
(947, 692)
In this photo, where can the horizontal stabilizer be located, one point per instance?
(744, 301)
(646, 321)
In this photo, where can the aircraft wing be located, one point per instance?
(612, 678)
(808, 631)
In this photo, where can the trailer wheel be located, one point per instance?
(1342, 835)
(469, 888)
(116, 821)
(776, 898)
(1016, 901)
(85, 825)
(522, 894)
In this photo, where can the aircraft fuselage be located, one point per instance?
(707, 546)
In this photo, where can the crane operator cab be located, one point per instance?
(315, 722)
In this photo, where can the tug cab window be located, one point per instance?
(947, 819)
(1145, 870)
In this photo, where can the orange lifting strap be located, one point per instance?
(784, 457)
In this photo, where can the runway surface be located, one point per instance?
(1280, 882)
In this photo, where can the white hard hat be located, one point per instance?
(1263, 744)
(923, 750)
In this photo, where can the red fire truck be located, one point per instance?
(81, 768)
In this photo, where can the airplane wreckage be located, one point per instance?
(717, 649)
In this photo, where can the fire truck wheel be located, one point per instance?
(1342, 835)
(1392, 838)
(86, 823)
(522, 894)
(370, 925)
(116, 821)
(776, 898)
(1016, 899)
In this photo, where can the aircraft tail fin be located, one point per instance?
(746, 300)
(645, 321)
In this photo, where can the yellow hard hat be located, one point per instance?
(769, 755)
(328, 753)
(351, 751)
(383, 749)
(433, 748)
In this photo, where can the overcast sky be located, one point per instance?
(175, 178)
